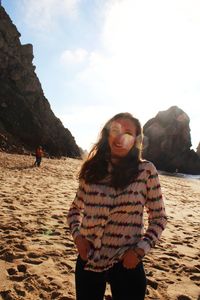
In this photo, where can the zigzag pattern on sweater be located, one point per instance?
(112, 220)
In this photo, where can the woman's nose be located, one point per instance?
(119, 138)
(125, 140)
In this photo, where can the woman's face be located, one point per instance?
(122, 137)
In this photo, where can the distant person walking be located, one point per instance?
(106, 216)
(38, 156)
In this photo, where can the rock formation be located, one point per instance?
(168, 142)
(198, 149)
(26, 118)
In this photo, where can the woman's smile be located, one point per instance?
(121, 137)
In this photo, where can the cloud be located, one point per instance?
(150, 51)
(74, 57)
(44, 14)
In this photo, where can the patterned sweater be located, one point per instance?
(112, 220)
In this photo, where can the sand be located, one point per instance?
(37, 254)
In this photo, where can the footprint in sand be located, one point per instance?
(9, 256)
(11, 271)
(22, 268)
(19, 290)
(196, 279)
(183, 297)
(7, 295)
(177, 242)
(18, 277)
(197, 268)
(34, 258)
(21, 246)
(55, 295)
(173, 254)
(33, 261)
(174, 266)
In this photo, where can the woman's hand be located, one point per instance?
(83, 246)
(130, 259)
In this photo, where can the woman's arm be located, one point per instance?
(157, 218)
(74, 219)
(75, 213)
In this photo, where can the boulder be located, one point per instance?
(198, 149)
(168, 142)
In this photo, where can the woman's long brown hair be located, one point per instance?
(95, 168)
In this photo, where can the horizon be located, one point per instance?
(113, 52)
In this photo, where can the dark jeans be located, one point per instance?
(126, 284)
(38, 161)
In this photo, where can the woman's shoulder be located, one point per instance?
(147, 165)
(92, 187)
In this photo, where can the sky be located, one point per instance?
(96, 58)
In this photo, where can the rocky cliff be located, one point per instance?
(26, 118)
(168, 142)
(198, 149)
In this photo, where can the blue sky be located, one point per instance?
(95, 58)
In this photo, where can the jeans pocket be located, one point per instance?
(81, 261)
(138, 266)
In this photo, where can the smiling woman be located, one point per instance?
(117, 146)
(106, 216)
(122, 135)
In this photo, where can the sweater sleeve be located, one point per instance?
(75, 213)
(154, 204)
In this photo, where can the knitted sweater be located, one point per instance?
(112, 220)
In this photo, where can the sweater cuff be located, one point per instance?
(144, 245)
(75, 234)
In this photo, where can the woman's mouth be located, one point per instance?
(119, 146)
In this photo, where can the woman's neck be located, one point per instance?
(114, 160)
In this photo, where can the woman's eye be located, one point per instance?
(115, 131)
(130, 133)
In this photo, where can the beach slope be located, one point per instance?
(37, 254)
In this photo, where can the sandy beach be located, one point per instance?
(37, 254)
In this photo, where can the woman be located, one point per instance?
(106, 217)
